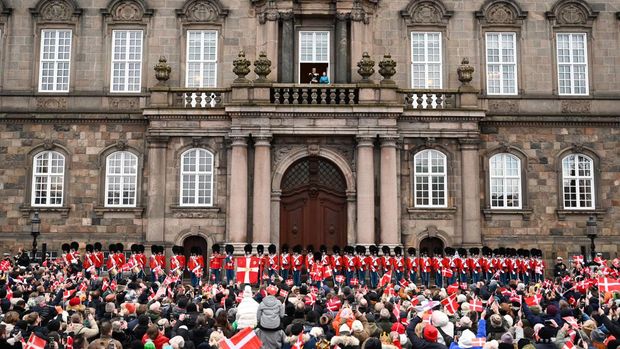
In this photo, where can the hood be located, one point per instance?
(271, 301)
(345, 341)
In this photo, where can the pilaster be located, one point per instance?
(156, 200)
(389, 191)
(261, 212)
(365, 190)
(470, 177)
(238, 210)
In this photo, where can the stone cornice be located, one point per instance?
(188, 117)
(561, 121)
(73, 120)
(302, 114)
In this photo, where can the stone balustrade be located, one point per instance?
(429, 99)
(199, 98)
(314, 94)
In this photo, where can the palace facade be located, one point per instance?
(444, 123)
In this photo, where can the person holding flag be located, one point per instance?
(285, 262)
(349, 264)
(196, 265)
(177, 262)
(215, 264)
(248, 267)
(412, 265)
(316, 273)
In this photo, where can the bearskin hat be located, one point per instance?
(154, 249)
(336, 249)
(97, 246)
(437, 252)
(89, 248)
(474, 251)
(75, 246)
(120, 247)
(398, 250)
(260, 249)
(385, 250)
(462, 252)
(247, 248)
(323, 248)
(317, 256)
(215, 248)
(271, 248)
(424, 251)
(284, 248)
(373, 249)
(230, 249)
(196, 250)
(297, 249)
(411, 251)
(66, 247)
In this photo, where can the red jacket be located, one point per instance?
(159, 341)
(215, 261)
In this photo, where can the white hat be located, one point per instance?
(247, 291)
(177, 342)
(466, 338)
(344, 328)
(357, 326)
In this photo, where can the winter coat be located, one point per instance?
(482, 333)
(159, 341)
(247, 312)
(418, 342)
(345, 342)
(88, 333)
(269, 312)
(308, 340)
(272, 339)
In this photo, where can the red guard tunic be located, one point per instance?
(89, 263)
(215, 261)
(316, 272)
(141, 258)
(98, 259)
(349, 263)
(374, 263)
(273, 262)
(177, 264)
(297, 262)
(229, 262)
(285, 261)
(412, 264)
(337, 263)
(196, 265)
(154, 264)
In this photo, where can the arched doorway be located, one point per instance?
(313, 206)
(431, 243)
(195, 241)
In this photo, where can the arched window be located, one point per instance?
(121, 179)
(196, 178)
(430, 179)
(578, 181)
(48, 178)
(505, 181)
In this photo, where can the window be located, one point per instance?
(505, 181)
(121, 179)
(425, 60)
(430, 179)
(197, 178)
(501, 63)
(578, 182)
(48, 179)
(55, 60)
(313, 55)
(126, 60)
(201, 58)
(572, 64)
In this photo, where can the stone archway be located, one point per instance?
(292, 157)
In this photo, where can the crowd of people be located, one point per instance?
(354, 298)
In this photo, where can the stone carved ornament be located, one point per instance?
(500, 14)
(572, 14)
(576, 107)
(202, 11)
(127, 12)
(426, 13)
(57, 11)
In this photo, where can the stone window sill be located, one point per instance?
(179, 211)
(525, 213)
(100, 211)
(561, 213)
(27, 210)
(427, 213)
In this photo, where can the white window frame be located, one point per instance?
(59, 178)
(124, 177)
(127, 61)
(573, 64)
(504, 178)
(202, 62)
(578, 178)
(426, 62)
(196, 174)
(314, 54)
(501, 63)
(429, 176)
(55, 61)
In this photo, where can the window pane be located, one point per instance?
(501, 63)
(578, 183)
(196, 177)
(48, 179)
(55, 60)
(126, 60)
(426, 60)
(572, 63)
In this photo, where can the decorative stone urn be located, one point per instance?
(366, 67)
(262, 67)
(162, 70)
(387, 69)
(241, 67)
(465, 72)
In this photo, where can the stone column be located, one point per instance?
(287, 62)
(389, 192)
(365, 191)
(342, 49)
(470, 183)
(262, 190)
(238, 209)
(268, 37)
(156, 200)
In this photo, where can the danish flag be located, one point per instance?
(568, 345)
(533, 300)
(447, 272)
(478, 342)
(385, 279)
(608, 284)
(452, 288)
(333, 304)
(35, 342)
(247, 270)
(339, 279)
(476, 305)
(450, 304)
(245, 339)
(578, 259)
(283, 293)
(299, 343)
(310, 299)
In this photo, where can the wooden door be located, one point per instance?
(313, 207)
(431, 244)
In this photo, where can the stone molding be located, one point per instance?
(194, 211)
(26, 210)
(547, 121)
(572, 13)
(127, 11)
(562, 213)
(501, 13)
(525, 213)
(431, 213)
(56, 11)
(202, 11)
(100, 211)
(426, 12)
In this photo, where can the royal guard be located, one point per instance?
(412, 265)
(524, 266)
(336, 260)
(285, 262)
(374, 265)
(177, 262)
(350, 267)
(473, 265)
(316, 271)
(326, 262)
(297, 263)
(196, 265)
(215, 263)
(309, 260)
(89, 261)
(75, 251)
(262, 261)
(398, 263)
(447, 265)
(436, 266)
(361, 266)
(98, 257)
(511, 265)
(485, 263)
(461, 265)
(119, 255)
(67, 257)
(132, 264)
(157, 268)
(539, 268)
(111, 263)
(247, 267)
(272, 262)
(229, 264)
(424, 264)
(141, 258)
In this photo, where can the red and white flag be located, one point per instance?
(568, 345)
(310, 299)
(450, 304)
(478, 342)
(245, 339)
(533, 300)
(385, 279)
(447, 272)
(476, 305)
(333, 304)
(340, 279)
(283, 293)
(35, 342)
(247, 270)
(299, 343)
(608, 284)
(452, 289)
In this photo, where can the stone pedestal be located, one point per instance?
(389, 192)
(156, 200)
(365, 191)
(238, 203)
(262, 190)
(470, 168)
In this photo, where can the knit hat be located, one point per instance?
(496, 320)
(357, 326)
(272, 290)
(155, 307)
(465, 321)
(552, 310)
(109, 307)
(466, 338)
(247, 291)
(430, 333)
(74, 302)
(344, 329)
(149, 345)
(465, 307)
(507, 338)
(508, 320)
(597, 336)
(130, 307)
(397, 327)
(177, 342)
(384, 314)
